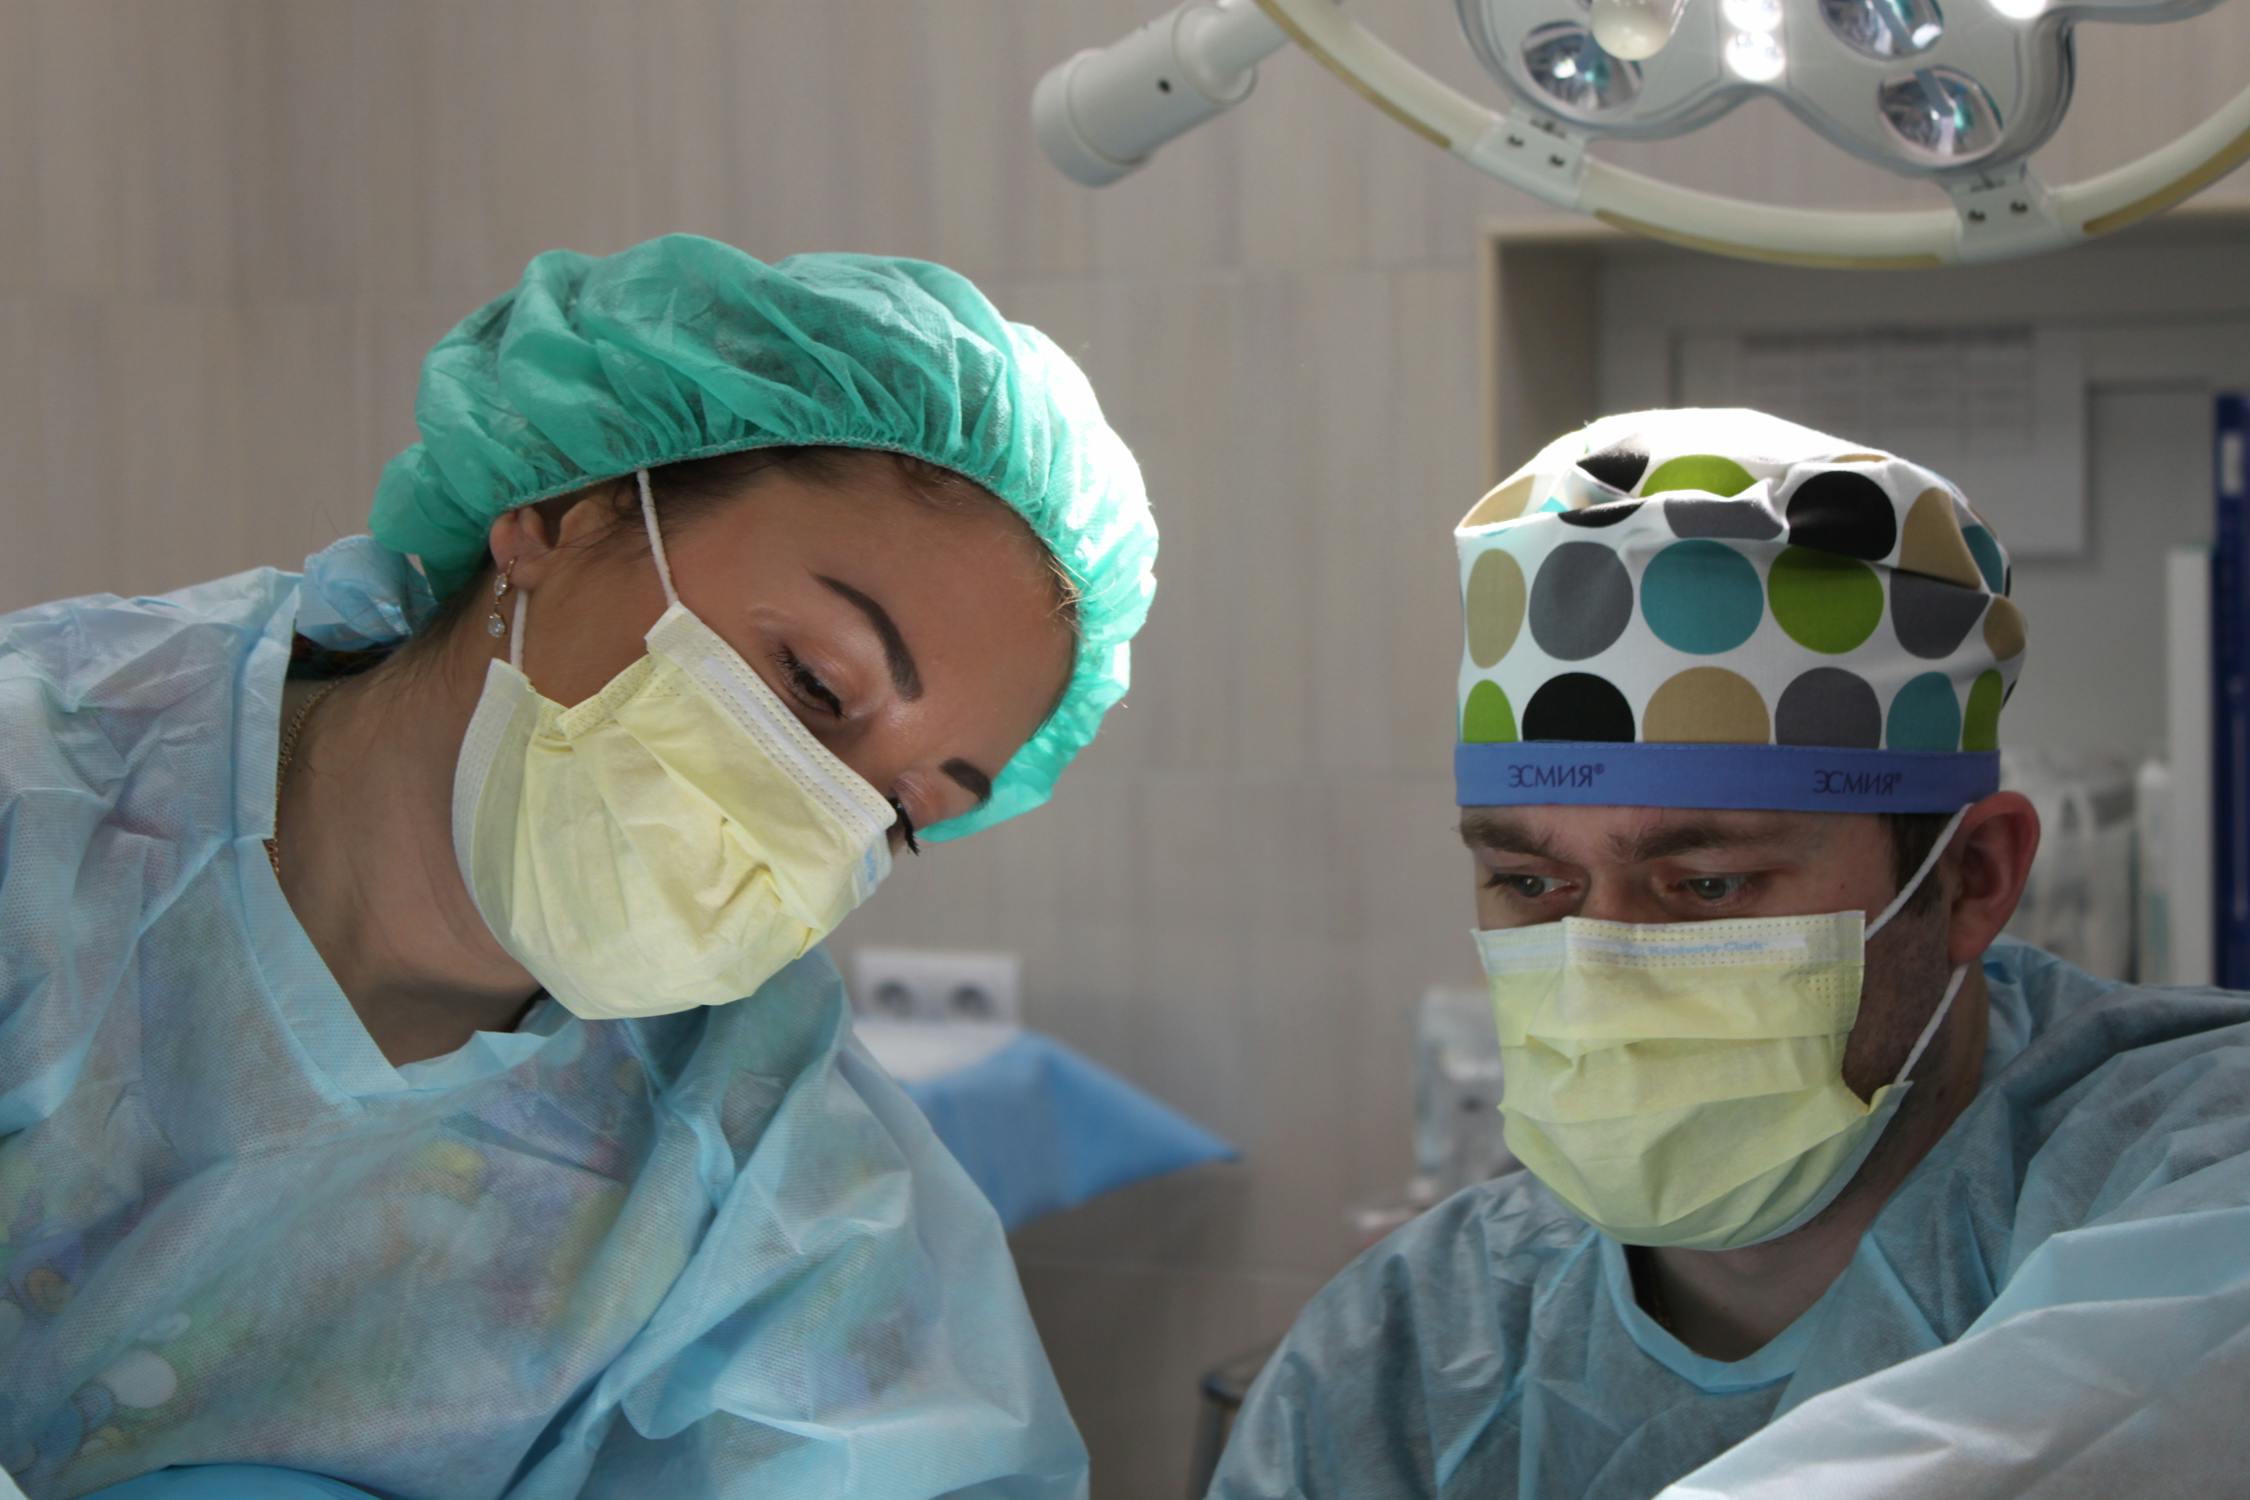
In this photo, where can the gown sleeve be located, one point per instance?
(2115, 1357)
(1390, 1373)
(849, 1323)
(70, 887)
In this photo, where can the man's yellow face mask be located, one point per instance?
(1682, 1083)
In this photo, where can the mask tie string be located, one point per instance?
(1952, 988)
(655, 547)
(656, 537)
(1898, 904)
(1929, 863)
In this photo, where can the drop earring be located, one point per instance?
(496, 624)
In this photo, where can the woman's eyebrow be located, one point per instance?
(905, 675)
(974, 781)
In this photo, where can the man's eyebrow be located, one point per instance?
(977, 784)
(1676, 839)
(905, 676)
(1504, 835)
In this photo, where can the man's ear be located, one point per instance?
(1986, 869)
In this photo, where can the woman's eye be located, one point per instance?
(1713, 889)
(1525, 887)
(807, 684)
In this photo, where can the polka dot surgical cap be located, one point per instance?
(1720, 609)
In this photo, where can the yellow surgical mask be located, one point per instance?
(672, 841)
(1682, 1083)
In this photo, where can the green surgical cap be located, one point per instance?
(683, 348)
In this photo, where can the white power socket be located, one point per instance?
(932, 984)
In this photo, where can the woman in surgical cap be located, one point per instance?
(417, 1068)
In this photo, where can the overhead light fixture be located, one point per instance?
(1957, 93)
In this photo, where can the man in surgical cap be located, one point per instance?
(1830, 1189)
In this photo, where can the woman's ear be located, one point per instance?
(535, 537)
(1989, 863)
(523, 545)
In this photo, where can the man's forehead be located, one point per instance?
(1626, 833)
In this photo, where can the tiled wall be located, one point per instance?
(228, 228)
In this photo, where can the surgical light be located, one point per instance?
(1957, 93)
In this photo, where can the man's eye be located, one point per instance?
(1525, 887)
(1713, 889)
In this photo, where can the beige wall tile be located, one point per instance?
(36, 535)
(20, 229)
(86, 185)
(340, 111)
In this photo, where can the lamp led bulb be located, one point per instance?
(2021, 10)
(1754, 56)
(1752, 15)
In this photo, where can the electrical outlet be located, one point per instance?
(934, 984)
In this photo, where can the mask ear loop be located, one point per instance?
(656, 538)
(1929, 863)
(1937, 1017)
(655, 547)
(1898, 904)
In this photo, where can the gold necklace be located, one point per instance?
(281, 775)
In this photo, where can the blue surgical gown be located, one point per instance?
(2055, 1302)
(713, 1254)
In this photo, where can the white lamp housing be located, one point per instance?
(1103, 113)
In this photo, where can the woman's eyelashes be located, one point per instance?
(807, 687)
(905, 827)
(806, 684)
